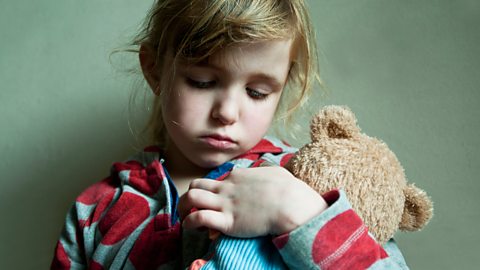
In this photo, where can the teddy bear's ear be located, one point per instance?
(418, 209)
(334, 122)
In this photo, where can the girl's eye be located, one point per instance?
(256, 94)
(200, 84)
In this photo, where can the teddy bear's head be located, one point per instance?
(341, 157)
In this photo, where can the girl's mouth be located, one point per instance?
(218, 141)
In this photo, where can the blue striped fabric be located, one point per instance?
(238, 253)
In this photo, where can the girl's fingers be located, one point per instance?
(207, 218)
(206, 184)
(199, 199)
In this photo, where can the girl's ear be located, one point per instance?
(148, 62)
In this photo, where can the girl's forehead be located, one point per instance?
(240, 54)
(231, 50)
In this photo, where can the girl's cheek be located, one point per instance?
(260, 123)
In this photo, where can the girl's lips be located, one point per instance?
(218, 141)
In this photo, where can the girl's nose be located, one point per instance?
(226, 109)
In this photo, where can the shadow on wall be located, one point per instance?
(49, 170)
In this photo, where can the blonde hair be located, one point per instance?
(197, 29)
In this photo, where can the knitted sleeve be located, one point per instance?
(337, 239)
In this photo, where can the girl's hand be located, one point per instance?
(250, 202)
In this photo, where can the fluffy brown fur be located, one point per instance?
(341, 157)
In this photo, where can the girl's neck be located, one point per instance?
(181, 170)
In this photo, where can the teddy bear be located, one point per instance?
(339, 156)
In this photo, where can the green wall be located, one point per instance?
(410, 70)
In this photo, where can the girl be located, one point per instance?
(220, 71)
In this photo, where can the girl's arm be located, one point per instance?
(337, 239)
(270, 200)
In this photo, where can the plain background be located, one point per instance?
(410, 70)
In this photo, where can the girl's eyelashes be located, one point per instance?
(254, 94)
(200, 84)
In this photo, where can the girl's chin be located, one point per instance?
(212, 162)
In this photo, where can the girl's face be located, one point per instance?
(221, 108)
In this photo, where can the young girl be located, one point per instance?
(220, 71)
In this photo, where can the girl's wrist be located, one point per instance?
(308, 205)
